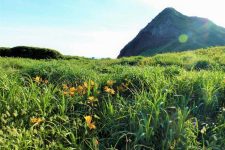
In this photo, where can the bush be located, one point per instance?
(4, 51)
(202, 64)
(131, 61)
(30, 52)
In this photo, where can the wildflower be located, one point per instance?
(37, 79)
(88, 119)
(96, 142)
(72, 89)
(92, 126)
(81, 90)
(110, 82)
(203, 130)
(92, 83)
(72, 93)
(112, 91)
(89, 122)
(36, 120)
(109, 90)
(46, 81)
(65, 86)
(92, 99)
(85, 85)
(65, 93)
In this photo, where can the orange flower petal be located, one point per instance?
(72, 89)
(91, 126)
(88, 119)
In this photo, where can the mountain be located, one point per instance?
(172, 31)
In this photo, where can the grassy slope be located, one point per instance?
(161, 102)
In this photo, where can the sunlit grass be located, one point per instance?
(162, 102)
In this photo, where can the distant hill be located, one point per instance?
(30, 52)
(172, 31)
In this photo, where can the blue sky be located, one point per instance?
(74, 13)
(91, 28)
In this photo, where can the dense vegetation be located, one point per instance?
(169, 101)
(30, 52)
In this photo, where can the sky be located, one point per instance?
(90, 28)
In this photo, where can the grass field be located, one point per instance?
(168, 101)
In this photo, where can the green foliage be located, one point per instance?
(202, 64)
(160, 102)
(30, 52)
(4, 51)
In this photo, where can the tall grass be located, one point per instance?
(135, 103)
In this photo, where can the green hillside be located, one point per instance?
(168, 101)
(172, 31)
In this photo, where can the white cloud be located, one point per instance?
(106, 42)
(100, 43)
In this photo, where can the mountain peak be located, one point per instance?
(169, 9)
(169, 12)
(166, 31)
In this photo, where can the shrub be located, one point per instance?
(202, 64)
(4, 51)
(30, 52)
(130, 61)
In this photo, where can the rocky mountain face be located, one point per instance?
(172, 31)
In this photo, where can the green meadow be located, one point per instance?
(167, 101)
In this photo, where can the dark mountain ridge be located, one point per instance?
(172, 31)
